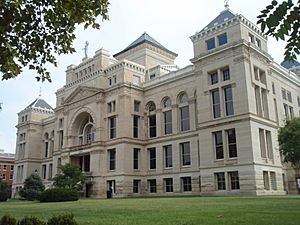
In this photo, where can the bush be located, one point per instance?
(67, 219)
(33, 187)
(31, 221)
(3, 191)
(8, 220)
(59, 195)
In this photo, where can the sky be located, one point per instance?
(170, 22)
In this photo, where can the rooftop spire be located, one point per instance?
(226, 4)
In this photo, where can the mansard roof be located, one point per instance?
(39, 103)
(226, 14)
(145, 38)
(289, 64)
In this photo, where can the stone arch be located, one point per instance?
(166, 102)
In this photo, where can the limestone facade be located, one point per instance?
(136, 124)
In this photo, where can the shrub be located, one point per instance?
(67, 219)
(31, 221)
(3, 191)
(8, 220)
(59, 195)
(33, 187)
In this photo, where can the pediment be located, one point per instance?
(81, 92)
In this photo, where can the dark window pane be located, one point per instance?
(222, 39)
(219, 145)
(168, 122)
(112, 159)
(168, 184)
(185, 151)
(135, 126)
(186, 183)
(216, 103)
(152, 126)
(152, 186)
(210, 44)
(214, 78)
(168, 156)
(234, 180)
(136, 158)
(221, 185)
(232, 143)
(112, 122)
(152, 158)
(185, 120)
(226, 74)
(228, 101)
(136, 186)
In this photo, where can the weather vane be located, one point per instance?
(86, 49)
(226, 4)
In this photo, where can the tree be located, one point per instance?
(282, 21)
(33, 32)
(33, 187)
(289, 141)
(3, 191)
(70, 177)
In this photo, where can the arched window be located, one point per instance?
(167, 102)
(151, 119)
(86, 131)
(184, 112)
(167, 115)
(151, 106)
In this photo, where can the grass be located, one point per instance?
(281, 210)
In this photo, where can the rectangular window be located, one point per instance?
(136, 106)
(135, 126)
(266, 180)
(286, 111)
(269, 144)
(220, 181)
(273, 180)
(152, 126)
(152, 185)
(222, 39)
(112, 127)
(258, 100)
(44, 171)
(11, 176)
(298, 100)
(210, 44)
(50, 170)
(136, 154)
(283, 93)
(185, 153)
(265, 108)
(219, 145)
(289, 96)
(152, 158)
(46, 149)
(251, 38)
(168, 156)
(226, 74)
(11, 167)
(168, 183)
(228, 101)
(4, 167)
(216, 103)
(111, 106)
(214, 78)
(168, 122)
(262, 143)
(61, 122)
(231, 139)
(273, 88)
(61, 138)
(136, 186)
(112, 159)
(291, 109)
(186, 184)
(258, 42)
(184, 118)
(234, 180)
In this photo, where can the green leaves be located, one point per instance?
(282, 22)
(289, 141)
(32, 32)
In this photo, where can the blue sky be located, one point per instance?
(170, 22)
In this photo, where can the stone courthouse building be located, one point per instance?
(137, 124)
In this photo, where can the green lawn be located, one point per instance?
(283, 210)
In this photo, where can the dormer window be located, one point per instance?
(210, 44)
(222, 39)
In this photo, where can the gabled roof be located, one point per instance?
(224, 15)
(39, 103)
(145, 38)
(289, 65)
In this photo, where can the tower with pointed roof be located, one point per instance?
(138, 125)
